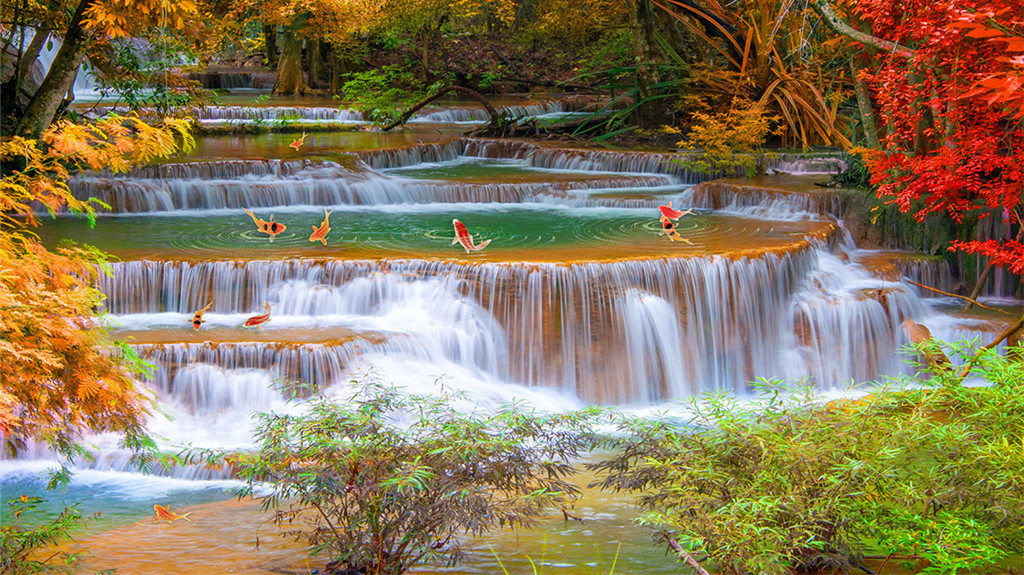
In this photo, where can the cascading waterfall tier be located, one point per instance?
(613, 179)
(688, 324)
(212, 114)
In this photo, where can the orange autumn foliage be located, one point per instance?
(61, 374)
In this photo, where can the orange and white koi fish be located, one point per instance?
(298, 143)
(273, 228)
(462, 237)
(197, 317)
(668, 213)
(320, 234)
(670, 230)
(259, 320)
(164, 512)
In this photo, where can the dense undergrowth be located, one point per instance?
(926, 472)
(923, 471)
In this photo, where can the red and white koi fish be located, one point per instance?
(462, 237)
(298, 143)
(668, 213)
(273, 228)
(259, 320)
(197, 317)
(164, 512)
(320, 234)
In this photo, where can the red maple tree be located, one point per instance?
(951, 99)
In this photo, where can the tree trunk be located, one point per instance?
(866, 108)
(59, 80)
(824, 9)
(338, 68)
(270, 42)
(315, 63)
(643, 28)
(424, 46)
(28, 59)
(289, 68)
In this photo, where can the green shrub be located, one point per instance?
(20, 544)
(382, 93)
(789, 482)
(383, 481)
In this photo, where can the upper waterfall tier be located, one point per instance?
(459, 114)
(459, 170)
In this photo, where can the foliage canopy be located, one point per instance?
(61, 375)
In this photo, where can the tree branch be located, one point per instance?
(977, 355)
(466, 91)
(971, 300)
(824, 9)
(686, 557)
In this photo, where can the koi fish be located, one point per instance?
(298, 143)
(164, 512)
(320, 234)
(273, 228)
(197, 317)
(462, 237)
(670, 230)
(259, 320)
(668, 213)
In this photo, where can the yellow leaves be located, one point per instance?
(579, 20)
(57, 379)
(123, 18)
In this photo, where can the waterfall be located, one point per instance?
(552, 109)
(544, 325)
(764, 201)
(848, 323)
(653, 341)
(242, 114)
(629, 332)
(266, 184)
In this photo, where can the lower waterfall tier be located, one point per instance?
(630, 332)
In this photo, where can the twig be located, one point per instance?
(568, 516)
(980, 284)
(975, 302)
(974, 358)
(686, 557)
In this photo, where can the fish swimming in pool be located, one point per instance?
(320, 234)
(259, 320)
(164, 512)
(462, 237)
(670, 230)
(273, 228)
(298, 143)
(197, 317)
(668, 213)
